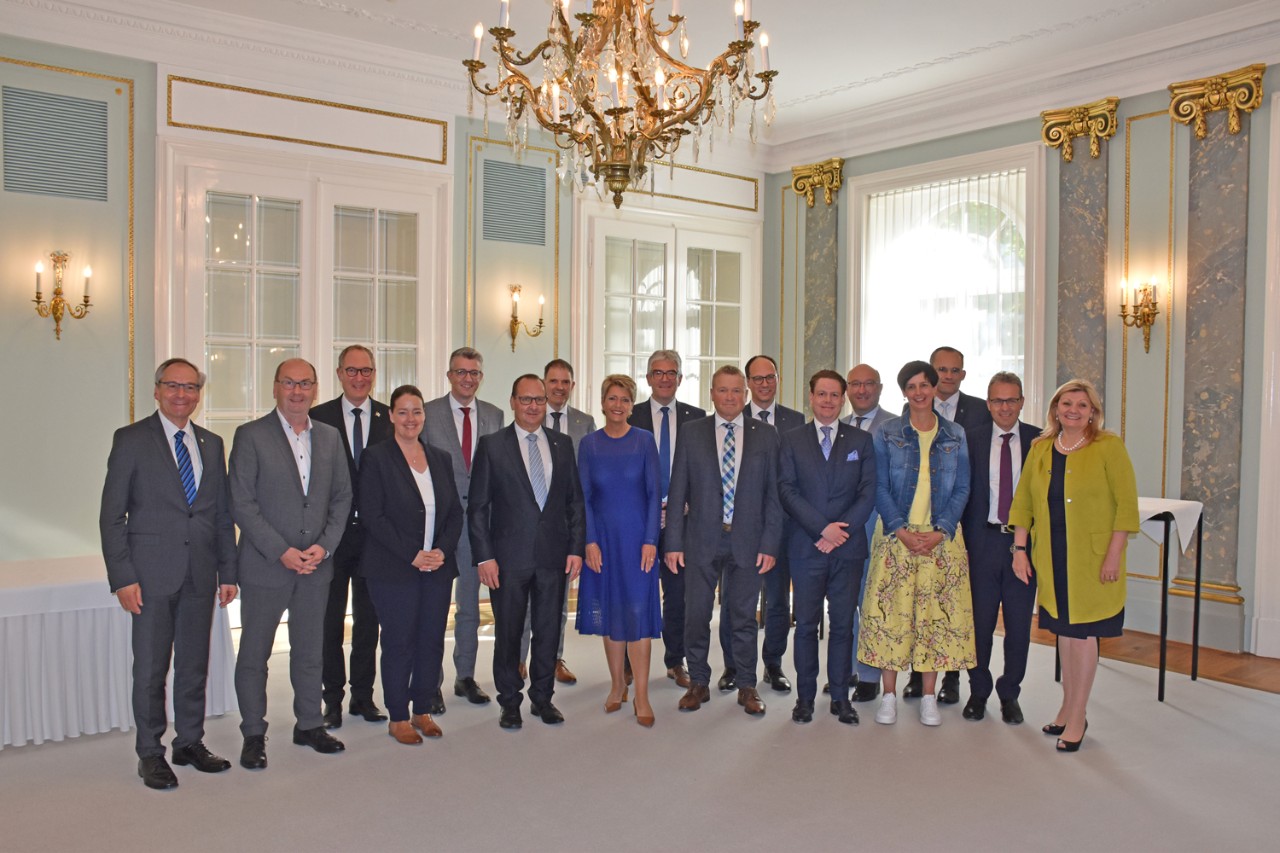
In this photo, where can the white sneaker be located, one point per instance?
(929, 711)
(888, 712)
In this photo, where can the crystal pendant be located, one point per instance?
(751, 125)
(770, 110)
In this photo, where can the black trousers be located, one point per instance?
(672, 609)
(538, 591)
(364, 626)
(994, 585)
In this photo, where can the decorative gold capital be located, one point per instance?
(1234, 91)
(829, 175)
(1096, 120)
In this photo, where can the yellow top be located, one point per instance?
(921, 510)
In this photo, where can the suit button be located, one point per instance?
(191, 515)
(186, 541)
(304, 531)
(306, 505)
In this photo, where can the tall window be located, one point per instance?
(635, 304)
(949, 261)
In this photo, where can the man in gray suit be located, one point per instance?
(454, 423)
(290, 495)
(725, 472)
(166, 532)
(558, 378)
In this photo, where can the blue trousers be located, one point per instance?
(836, 580)
(413, 615)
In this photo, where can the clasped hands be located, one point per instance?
(429, 561)
(303, 562)
(919, 543)
(833, 536)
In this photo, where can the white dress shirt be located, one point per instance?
(867, 419)
(301, 444)
(428, 493)
(771, 409)
(189, 439)
(947, 408)
(656, 408)
(550, 423)
(349, 421)
(457, 423)
(993, 467)
(835, 430)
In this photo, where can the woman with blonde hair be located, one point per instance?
(1077, 503)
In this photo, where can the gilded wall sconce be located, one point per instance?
(59, 306)
(1141, 314)
(515, 317)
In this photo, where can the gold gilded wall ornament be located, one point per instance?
(827, 175)
(1234, 91)
(1096, 120)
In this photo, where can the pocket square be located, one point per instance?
(852, 457)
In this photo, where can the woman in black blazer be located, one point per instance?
(410, 510)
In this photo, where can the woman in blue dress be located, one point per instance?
(618, 598)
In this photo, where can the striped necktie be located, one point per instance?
(537, 476)
(185, 471)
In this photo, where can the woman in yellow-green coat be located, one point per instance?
(1077, 503)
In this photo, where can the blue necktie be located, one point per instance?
(727, 466)
(537, 477)
(826, 442)
(357, 437)
(764, 416)
(664, 454)
(185, 471)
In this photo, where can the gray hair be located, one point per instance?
(167, 363)
(1007, 378)
(665, 355)
(468, 353)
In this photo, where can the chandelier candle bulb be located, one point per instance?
(555, 102)
(764, 51)
(504, 14)
(475, 54)
(746, 10)
(737, 18)
(675, 8)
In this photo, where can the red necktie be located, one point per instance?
(1006, 479)
(466, 437)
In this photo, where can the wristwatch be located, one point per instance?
(1013, 549)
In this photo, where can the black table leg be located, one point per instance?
(1164, 604)
(1195, 621)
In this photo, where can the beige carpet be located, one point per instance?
(1196, 773)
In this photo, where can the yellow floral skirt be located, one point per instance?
(918, 611)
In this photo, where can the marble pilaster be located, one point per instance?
(821, 224)
(1082, 270)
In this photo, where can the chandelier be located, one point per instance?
(613, 95)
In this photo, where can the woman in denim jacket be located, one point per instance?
(918, 612)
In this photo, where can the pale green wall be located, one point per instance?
(73, 393)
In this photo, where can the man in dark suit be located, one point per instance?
(455, 423)
(827, 485)
(968, 412)
(528, 533)
(290, 496)
(575, 423)
(762, 382)
(361, 421)
(656, 415)
(996, 453)
(726, 473)
(166, 532)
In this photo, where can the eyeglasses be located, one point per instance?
(463, 373)
(1005, 401)
(529, 401)
(768, 377)
(353, 372)
(175, 387)
(870, 383)
(300, 384)
(664, 374)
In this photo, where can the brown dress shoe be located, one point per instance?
(750, 701)
(523, 669)
(694, 697)
(563, 673)
(680, 675)
(426, 725)
(402, 731)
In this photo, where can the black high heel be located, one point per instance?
(1053, 729)
(1072, 745)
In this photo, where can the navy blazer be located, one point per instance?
(394, 515)
(978, 509)
(971, 411)
(695, 483)
(642, 416)
(503, 516)
(784, 419)
(816, 491)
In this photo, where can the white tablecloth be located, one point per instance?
(1185, 516)
(65, 656)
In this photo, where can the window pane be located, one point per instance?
(353, 309)
(697, 332)
(278, 232)
(728, 277)
(700, 275)
(353, 240)
(224, 427)
(399, 310)
(648, 325)
(617, 265)
(278, 306)
(227, 303)
(651, 269)
(399, 238)
(396, 368)
(727, 333)
(615, 364)
(227, 218)
(617, 323)
(228, 386)
(269, 358)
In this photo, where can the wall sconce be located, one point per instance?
(1142, 313)
(515, 317)
(59, 306)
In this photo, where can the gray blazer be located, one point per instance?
(882, 415)
(149, 534)
(576, 424)
(695, 483)
(268, 504)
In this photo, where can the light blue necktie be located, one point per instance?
(185, 471)
(537, 477)
(726, 473)
(826, 442)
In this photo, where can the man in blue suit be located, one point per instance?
(725, 473)
(826, 483)
(996, 453)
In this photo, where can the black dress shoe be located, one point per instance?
(199, 757)
(843, 711)
(949, 693)
(467, 687)
(914, 688)
(253, 756)
(974, 709)
(333, 716)
(548, 713)
(728, 680)
(866, 691)
(367, 709)
(775, 678)
(156, 773)
(318, 739)
(802, 712)
(510, 718)
(436, 707)
(1011, 712)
